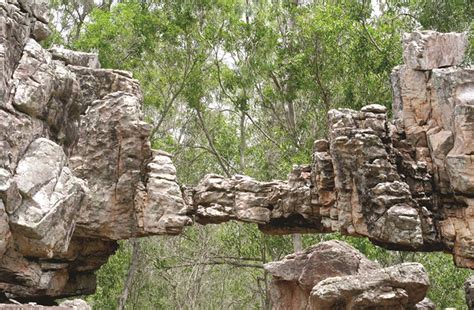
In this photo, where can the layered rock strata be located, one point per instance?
(77, 172)
(334, 275)
(434, 121)
(405, 184)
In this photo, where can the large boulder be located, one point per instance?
(334, 275)
(295, 276)
(397, 287)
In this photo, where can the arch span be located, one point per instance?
(77, 172)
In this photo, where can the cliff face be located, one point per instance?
(77, 172)
(76, 168)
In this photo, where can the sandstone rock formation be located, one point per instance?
(77, 172)
(434, 112)
(76, 169)
(333, 275)
(405, 184)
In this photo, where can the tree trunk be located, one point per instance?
(130, 274)
(297, 243)
(242, 143)
(211, 144)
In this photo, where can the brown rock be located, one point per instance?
(397, 287)
(63, 203)
(333, 275)
(77, 171)
(298, 273)
(427, 50)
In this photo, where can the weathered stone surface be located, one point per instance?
(446, 96)
(298, 273)
(333, 275)
(5, 233)
(160, 207)
(73, 58)
(425, 304)
(360, 184)
(77, 171)
(51, 198)
(76, 304)
(427, 50)
(397, 287)
(269, 204)
(76, 168)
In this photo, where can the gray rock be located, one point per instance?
(398, 287)
(51, 197)
(425, 304)
(295, 275)
(77, 172)
(75, 304)
(427, 50)
(71, 186)
(82, 59)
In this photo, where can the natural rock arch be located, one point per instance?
(77, 172)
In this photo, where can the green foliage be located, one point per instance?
(444, 16)
(447, 280)
(110, 280)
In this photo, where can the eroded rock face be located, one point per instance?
(295, 276)
(77, 172)
(405, 184)
(51, 197)
(397, 287)
(427, 50)
(333, 275)
(435, 112)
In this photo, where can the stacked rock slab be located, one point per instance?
(434, 112)
(406, 184)
(333, 275)
(77, 172)
(76, 169)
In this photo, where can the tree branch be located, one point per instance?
(216, 262)
(211, 144)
